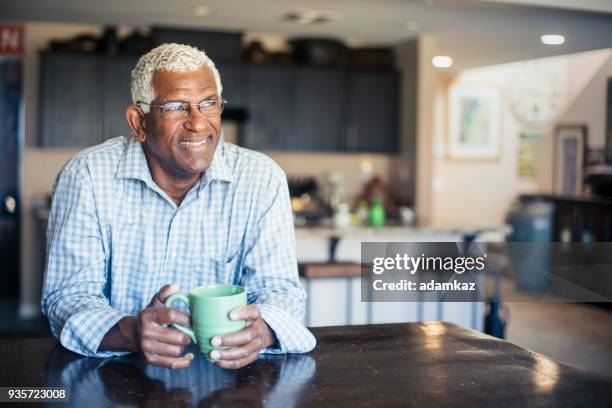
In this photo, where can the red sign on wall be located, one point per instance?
(11, 39)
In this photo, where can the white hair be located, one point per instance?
(167, 57)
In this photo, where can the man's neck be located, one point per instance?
(175, 187)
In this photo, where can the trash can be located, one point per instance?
(531, 222)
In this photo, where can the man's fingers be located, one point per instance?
(150, 346)
(165, 335)
(169, 315)
(249, 313)
(170, 362)
(161, 296)
(238, 338)
(237, 353)
(233, 364)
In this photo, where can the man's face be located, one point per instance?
(184, 147)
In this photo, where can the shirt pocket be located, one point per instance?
(211, 271)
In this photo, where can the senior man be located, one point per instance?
(135, 219)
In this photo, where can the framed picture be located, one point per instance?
(473, 123)
(527, 157)
(570, 144)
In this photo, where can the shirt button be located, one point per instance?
(173, 255)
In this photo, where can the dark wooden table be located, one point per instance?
(415, 364)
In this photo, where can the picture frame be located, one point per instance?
(570, 147)
(474, 127)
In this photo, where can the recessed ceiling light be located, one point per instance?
(201, 11)
(442, 61)
(553, 39)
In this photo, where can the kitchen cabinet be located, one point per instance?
(83, 98)
(234, 78)
(288, 107)
(327, 110)
(271, 108)
(70, 101)
(373, 106)
(337, 302)
(117, 95)
(319, 109)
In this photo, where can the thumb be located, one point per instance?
(161, 296)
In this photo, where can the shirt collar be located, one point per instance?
(133, 164)
(218, 169)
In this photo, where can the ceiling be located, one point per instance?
(590, 5)
(474, 33)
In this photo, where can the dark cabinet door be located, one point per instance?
(373, 105)
(71, 106)
(117, 95)
(320, 109)
(234, 79)
(270, 125)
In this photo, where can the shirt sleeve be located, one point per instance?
(73, 291)
(270, 271)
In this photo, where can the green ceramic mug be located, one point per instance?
(210, 306)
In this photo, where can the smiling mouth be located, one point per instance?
(191, 144)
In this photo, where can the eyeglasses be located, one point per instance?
(182, 109)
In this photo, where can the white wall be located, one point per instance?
(478, 193)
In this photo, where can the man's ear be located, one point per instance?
(136, 119)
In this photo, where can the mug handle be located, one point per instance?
(186, 330)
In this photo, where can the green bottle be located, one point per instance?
(377, 214)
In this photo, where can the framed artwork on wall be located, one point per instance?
(570, 146)
(527, 155)
(474, 123)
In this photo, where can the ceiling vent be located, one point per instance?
(310, 17)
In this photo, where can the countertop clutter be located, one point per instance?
(429, 364)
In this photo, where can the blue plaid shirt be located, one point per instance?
(115, 238)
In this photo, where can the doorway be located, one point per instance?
(11, 107)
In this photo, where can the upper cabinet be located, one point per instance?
(373, 106)
(234, 77)
(70, 107)
(271, 106)
(117, 94)
(83, 98)
(320, 96)
(284, 107)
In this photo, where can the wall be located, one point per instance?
(478, 193)
(590, 104)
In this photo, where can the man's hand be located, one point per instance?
(162, 345)
(243, 346)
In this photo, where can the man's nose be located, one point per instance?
(196, 121)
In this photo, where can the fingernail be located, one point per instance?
(234, 315)
(216, 341)
(215, 355)
(190, 355)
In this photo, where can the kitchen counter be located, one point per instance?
(415, 364)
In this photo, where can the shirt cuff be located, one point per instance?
(84, 331)
(291, 335)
